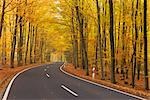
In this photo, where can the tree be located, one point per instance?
(135, 46)
(74, 40)
(67, 30)
(2, 17)
(145, 47)
(81, 22)
(31, 43)
(20, 42)
(14, 40)
(112, 42)
(27, 43)
(99, 39)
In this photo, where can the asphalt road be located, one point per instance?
(49, 83)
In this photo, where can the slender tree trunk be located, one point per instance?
(145, 47)
(75, 42)
(99, 39)
(27, 44)
(96, 53)
(14, 42)
(132, 58)
(123, 43)
(31, 44)
(35, 44)
(112, 42)
(4, 53)
(2, 17)
(118, 40)
(80, 20)
(104, 37)
(41, 49)
(20, 42)
(135, 46)
(140, 49)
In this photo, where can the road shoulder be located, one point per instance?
(125, 90)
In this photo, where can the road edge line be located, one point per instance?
(100, 85)
(7, 90)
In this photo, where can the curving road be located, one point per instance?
(49, 83)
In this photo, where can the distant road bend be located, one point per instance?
(48, 82)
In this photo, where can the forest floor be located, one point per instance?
(120, 85)
(7, 73)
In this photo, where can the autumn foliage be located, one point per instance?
(112, 35)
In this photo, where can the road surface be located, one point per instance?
(49, 83)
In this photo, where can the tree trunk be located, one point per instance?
(140, 45)
(80, 20)
(123, 43)
(27, 44)
(112, 42)
(99, 40)
(4, 53)
(41, 49)
(13, 46)
(2, 17)
(145, 47)
(35, 44)
(31, 43)
(20, 43)
(104, 38)
(135, 46)
(75, 42)
(96, 53)
(118, 40)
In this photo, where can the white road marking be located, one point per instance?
(45, 69)
(10, 84)
(70, 91)
(119, 91)
(47, 75)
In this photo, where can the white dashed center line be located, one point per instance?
(47, 75)
(45, 70)
(70, 91)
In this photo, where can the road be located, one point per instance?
(49, 83)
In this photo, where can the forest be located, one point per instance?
(112, 35)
